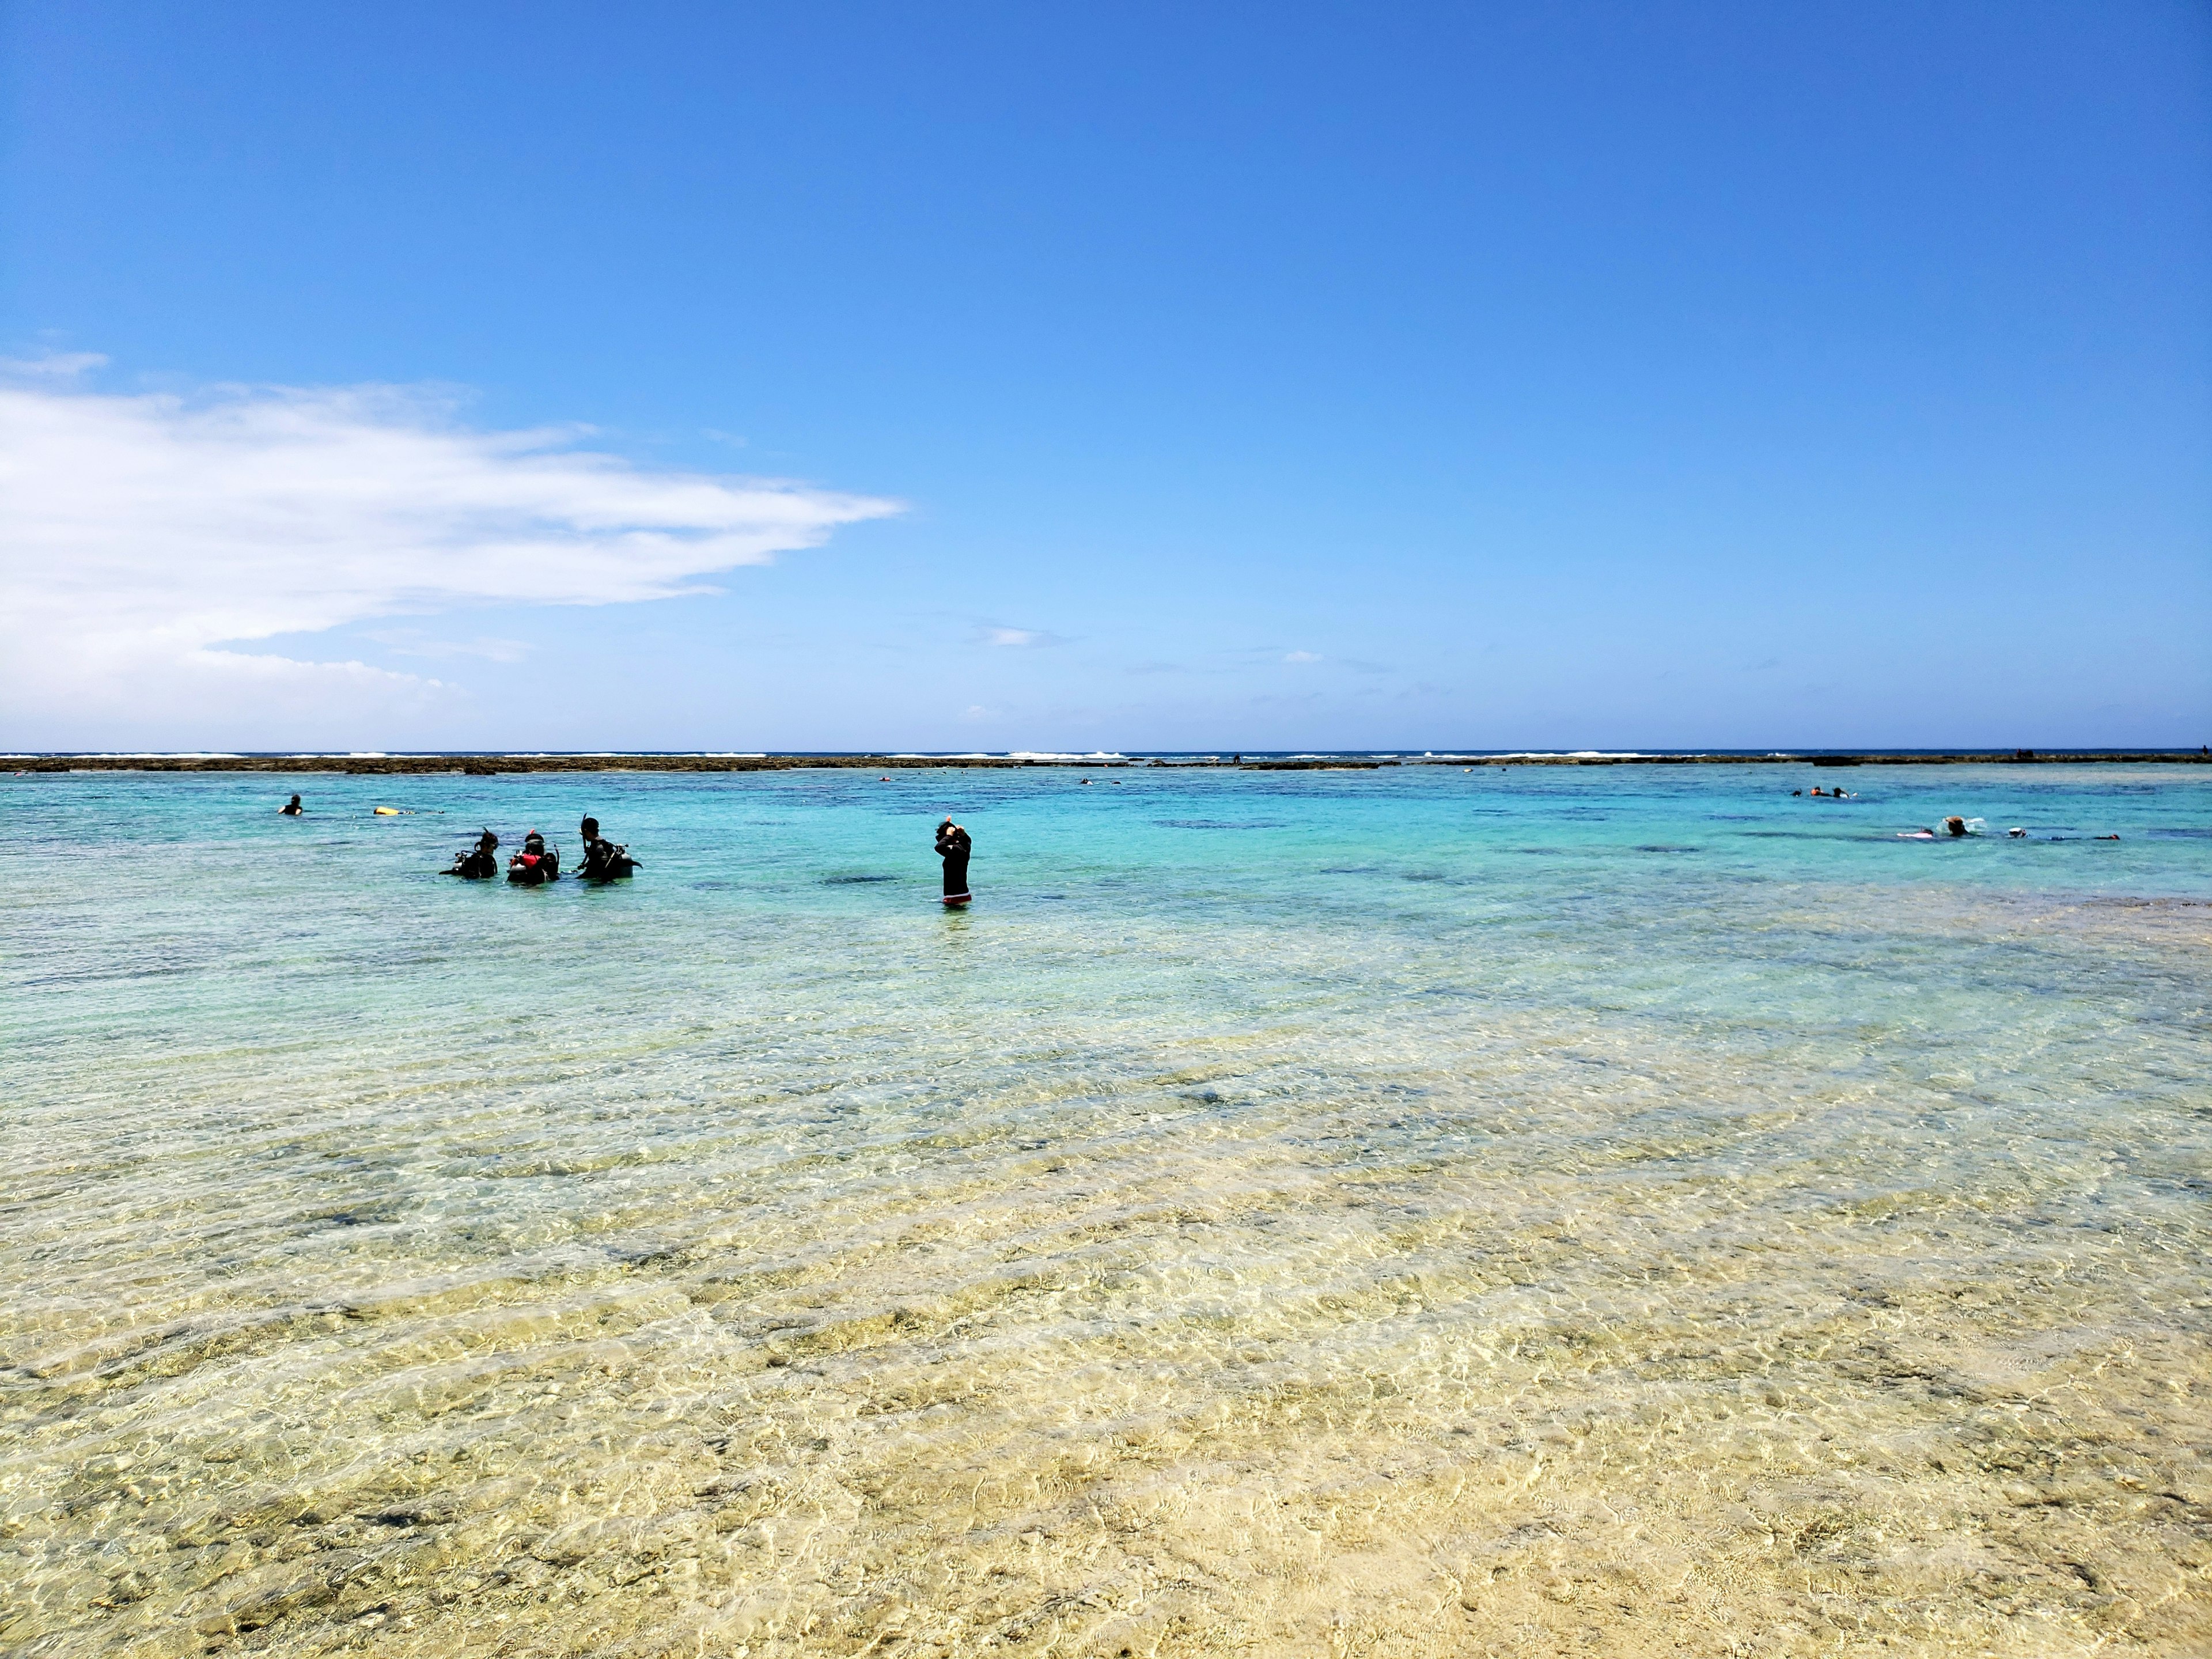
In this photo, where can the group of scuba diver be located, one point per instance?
(538, 863)
(605, 860)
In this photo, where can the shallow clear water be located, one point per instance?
(1396, 1211)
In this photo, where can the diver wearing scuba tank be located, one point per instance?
(535, 864)
(604, 861)
(478, 864)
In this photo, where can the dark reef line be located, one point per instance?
(492, 765)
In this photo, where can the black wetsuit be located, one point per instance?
(605, 860)
(953, 846)
(479, 862)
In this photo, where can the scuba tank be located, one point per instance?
(606, 860)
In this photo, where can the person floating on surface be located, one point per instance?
(535, 864)
(478, 864)
(292, 809)
(953, 846)
(604, 861)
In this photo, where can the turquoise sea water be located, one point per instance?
(1400, 1211)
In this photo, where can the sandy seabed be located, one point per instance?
(1524, 1334)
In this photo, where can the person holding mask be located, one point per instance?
(953, 846)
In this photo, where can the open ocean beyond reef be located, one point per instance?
(1520, 1211)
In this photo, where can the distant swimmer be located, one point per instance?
(478, 863)
(604, 861)
(2016, 834)
(2104, 838)
(1954, 826)
(292, 809)
(953, 846)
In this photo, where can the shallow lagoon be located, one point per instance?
(1393, 1212)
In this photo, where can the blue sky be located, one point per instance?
(1141, 377)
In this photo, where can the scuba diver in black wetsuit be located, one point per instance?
(478, 864)
(953, 846)
(604, 861)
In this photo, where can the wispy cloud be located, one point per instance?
(141, 534)
(53, 366)
(1302, 656)
(1018, 636)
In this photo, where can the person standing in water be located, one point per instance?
(480, 862)
(953, 846)
(596, 851)
(604, 859)
(292, 809)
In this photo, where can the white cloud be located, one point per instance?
(1302, 656)
(140, 534)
